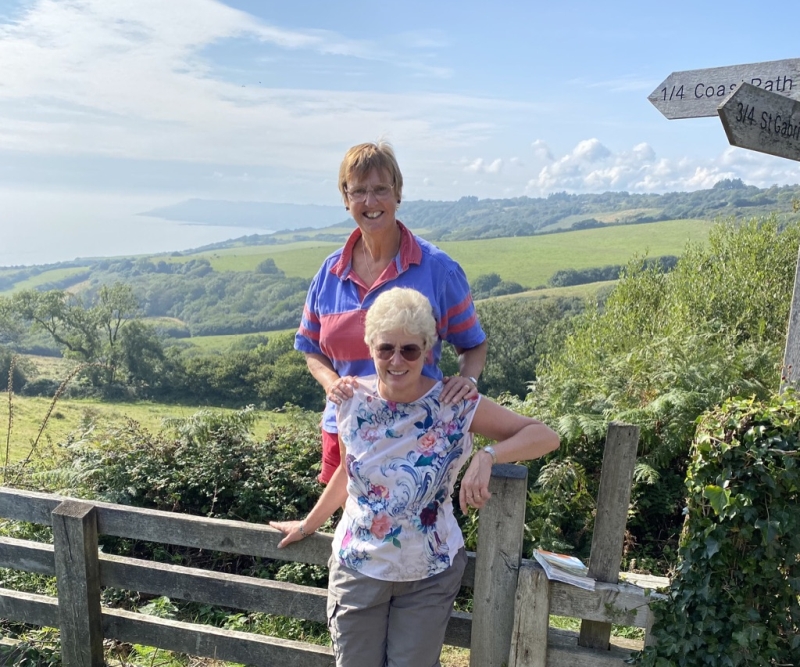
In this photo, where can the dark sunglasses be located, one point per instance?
(408, 352)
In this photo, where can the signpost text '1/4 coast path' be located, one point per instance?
(762, 121)
(697, 93)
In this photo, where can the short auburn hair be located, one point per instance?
(364, 158)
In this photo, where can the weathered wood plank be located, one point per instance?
(78, 580)
(36, 507)
(564, 651)
(623, 604)
(790, 374)
(27, 556)
(497, 566)
(30, 608)
(613, 499)
(531, 619)
(762, 121)
(208, 642)
(30, 506)
(217, 588)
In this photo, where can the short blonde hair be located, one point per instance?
(401, 309)
(364, 158)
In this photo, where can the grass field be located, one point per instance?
(43, 278)
(223, 342)
(71, 414)
(529, 260)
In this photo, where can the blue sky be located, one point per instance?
(110, 108)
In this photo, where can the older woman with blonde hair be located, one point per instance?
(398, 553)
(381, 254)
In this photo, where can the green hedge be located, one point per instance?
(734, 600)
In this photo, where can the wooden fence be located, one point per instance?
(512, 598)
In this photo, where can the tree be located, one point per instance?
(520, 332)
(87, 333)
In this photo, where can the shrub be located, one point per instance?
(208, 465)
(664, 347)
(734, 600)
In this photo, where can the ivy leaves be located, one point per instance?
(734, 600)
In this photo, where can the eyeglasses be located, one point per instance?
(359, 195)
(384, 351)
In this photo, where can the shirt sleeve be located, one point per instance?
(307, 338)
(459, 323)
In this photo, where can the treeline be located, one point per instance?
(207, 301)
(122, 356)
(567, 277)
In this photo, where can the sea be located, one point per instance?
(49, 227)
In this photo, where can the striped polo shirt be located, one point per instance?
(338, 300)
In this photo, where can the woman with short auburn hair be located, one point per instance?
(398, 553)
(379, 255)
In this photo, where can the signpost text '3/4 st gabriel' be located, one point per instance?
(697, 93)
(762, 121)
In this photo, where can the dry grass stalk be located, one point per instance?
(11, 368)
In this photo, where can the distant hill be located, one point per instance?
(472, 218)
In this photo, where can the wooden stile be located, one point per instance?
(613, 499)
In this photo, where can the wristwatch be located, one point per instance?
(490, 451)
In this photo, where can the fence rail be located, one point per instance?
(513, 599)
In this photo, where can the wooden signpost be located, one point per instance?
(697, 93)
(761, 121)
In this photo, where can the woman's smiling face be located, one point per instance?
(377, 212)
(399, 376)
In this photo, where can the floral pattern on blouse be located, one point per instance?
(402, 461)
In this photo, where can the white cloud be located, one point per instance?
(542, 151)
(592, 167)
(478, 165)
(133, 80)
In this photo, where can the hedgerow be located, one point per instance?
(734, 600)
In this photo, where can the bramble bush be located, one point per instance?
(734, 600)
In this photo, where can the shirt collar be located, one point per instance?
(410, 252)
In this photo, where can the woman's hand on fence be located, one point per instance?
(293, 531)
(475, 483)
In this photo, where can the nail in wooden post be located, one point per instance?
(497, 563)
(78, 579)
(613, 500)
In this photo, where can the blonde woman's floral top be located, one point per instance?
(402, 461)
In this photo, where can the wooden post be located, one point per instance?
(531, 619)
(613, 500)
(790, 373)
(78, 580)
(497, 566)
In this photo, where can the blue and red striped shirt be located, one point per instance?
(338, 300)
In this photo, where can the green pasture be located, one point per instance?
(299, 259)
(611, 217)
(223, 342)
(529, 260)
(43, 278)
(587, 292)
(70, 415)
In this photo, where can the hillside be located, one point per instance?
(250, 289)
(471, 218)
